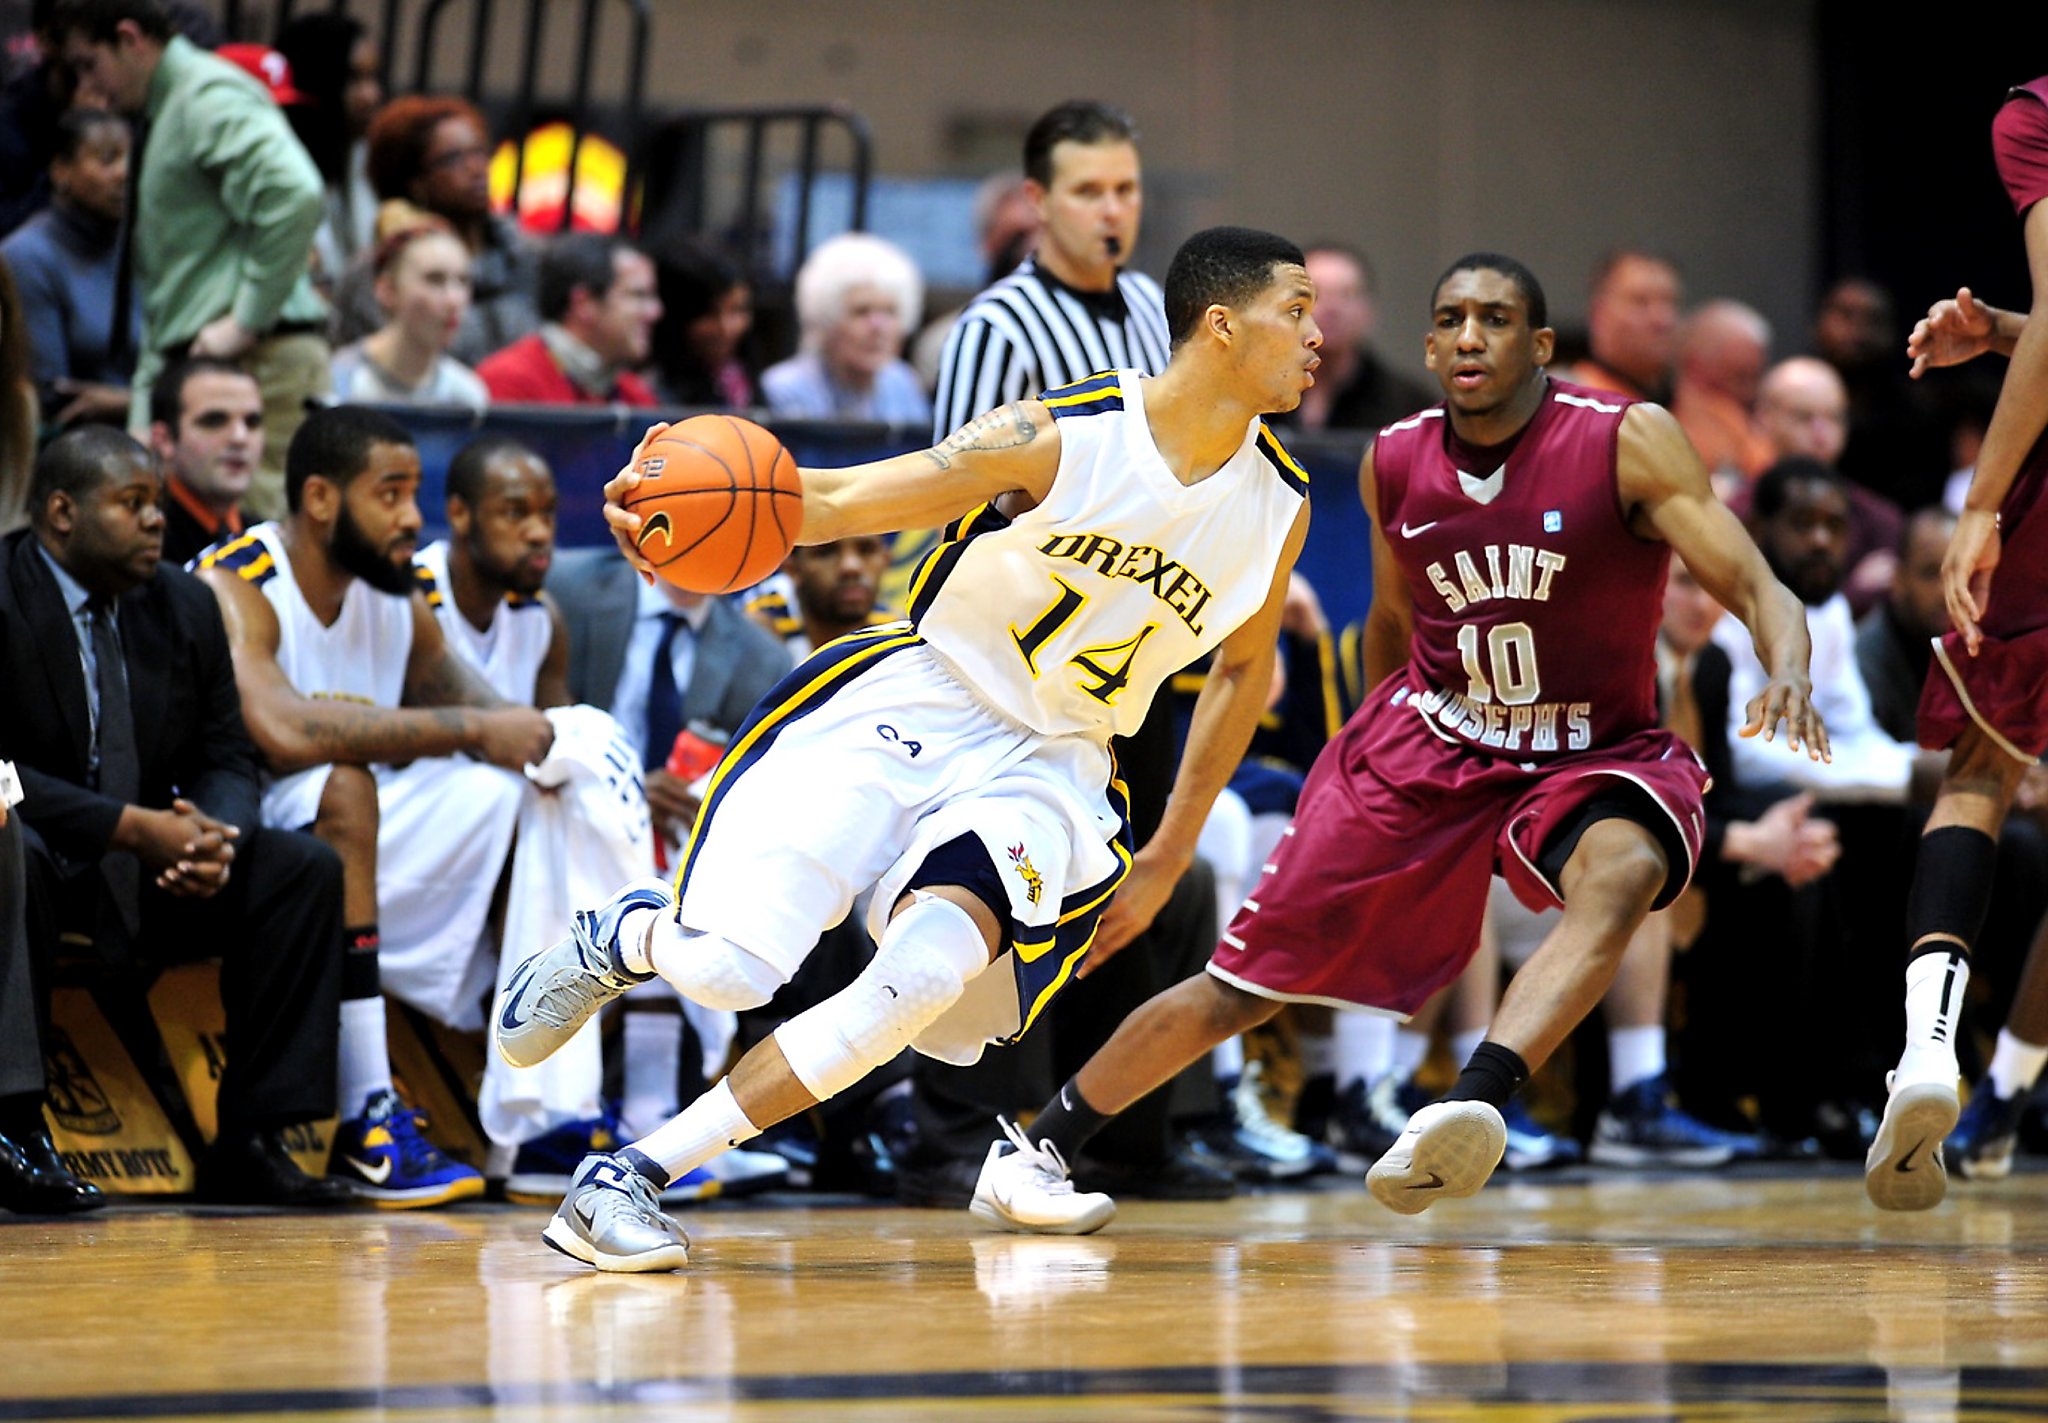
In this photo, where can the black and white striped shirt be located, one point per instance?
(1030, 332)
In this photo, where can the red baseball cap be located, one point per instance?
(272, 68)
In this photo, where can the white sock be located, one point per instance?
(2015, 1065)
(633, 936)
(1634, 1055)
(653, 1054)
(365, 1062)
(1228, 1059)
(711, 1124)
(1361, 1047)
(1411, 1050)
(1464, 1044)
(1934, 1006)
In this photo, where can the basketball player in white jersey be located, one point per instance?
(344, 673)
(484, 580)
(1101, 538)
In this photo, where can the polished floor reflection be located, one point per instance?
(1786, 1299)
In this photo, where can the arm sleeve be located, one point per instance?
(271, 190)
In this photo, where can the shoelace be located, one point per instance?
(581, 998)
(408, 1134)
(1042, 1157)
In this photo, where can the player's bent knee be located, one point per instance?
(1231, 1010)
(715, 972)
(927, 956)
(348, 814)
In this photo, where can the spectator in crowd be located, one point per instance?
(64, 261)
(31, 102)
(1896, 441)
(1006, 222)
(1802, 412)
(433, 154)
(1895, 640)
(206, 426)
(17, 408)
(140, 819)
(707, 309)
(383, 741)
(1355, 389)
(220, 266)
(598, 305)
(856, 297)
(423, 284)
(1722, 350)
(338, 71)
(485, 580)
(1631, 321)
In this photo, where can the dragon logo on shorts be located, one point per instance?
(1034, 883)
(660, 523)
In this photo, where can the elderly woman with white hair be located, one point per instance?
(857, 296)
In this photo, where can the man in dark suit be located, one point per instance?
(660, 660)
(139, 824)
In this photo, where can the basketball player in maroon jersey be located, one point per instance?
(1986, 701)
(1521, 532)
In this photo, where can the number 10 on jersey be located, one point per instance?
(1511, 653)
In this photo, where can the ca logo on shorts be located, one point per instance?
(890, 733)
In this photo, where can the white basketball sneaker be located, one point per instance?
(1904, 1170)
(1449, 1149)
(1024, 1187)
(554, 993)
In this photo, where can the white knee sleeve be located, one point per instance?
(711, 970)
(930, 951)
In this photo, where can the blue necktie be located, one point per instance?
(664, 698)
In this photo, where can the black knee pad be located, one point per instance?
(1951, 890)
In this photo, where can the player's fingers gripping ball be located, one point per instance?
(719, 502)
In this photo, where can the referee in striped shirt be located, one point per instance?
(1069, 311)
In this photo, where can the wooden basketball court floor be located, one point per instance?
(1784, 1297)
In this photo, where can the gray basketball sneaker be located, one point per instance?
(554, 993)
(611, 1219)
(1449, 1149)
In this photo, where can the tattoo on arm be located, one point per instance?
(447, 681)
(1001, 429)
(361, 736)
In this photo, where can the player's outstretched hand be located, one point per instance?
(625, 525)
(1953, 331)
(1966, 573)
(1138, 901)
(1789, 699)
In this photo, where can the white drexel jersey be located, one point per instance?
(361, 658)
(508, 653)
(1070, 616)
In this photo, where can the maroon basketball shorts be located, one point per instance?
(1374, 897)
(2003, 690)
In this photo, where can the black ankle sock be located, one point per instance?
(359, 976)
(1067, 1121)
(21, 1115)
(646, 1166)
(1951, 892)
(1492, 1076)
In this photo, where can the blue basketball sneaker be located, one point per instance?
(386, 1159)
(1531, 1147)
(541, 1168)
(555, 992)
(1642, 1126)
(1982, 1144)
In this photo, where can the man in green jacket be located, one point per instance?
(227, 203)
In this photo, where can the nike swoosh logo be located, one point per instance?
(1409, 533)
(657, 523)
(1434, 1183)
(513, 990)
(585, 1213)
(376, 1175)
(1906, 1161)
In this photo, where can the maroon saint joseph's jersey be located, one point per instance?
(1536, 609)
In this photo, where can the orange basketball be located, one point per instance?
(719, 501)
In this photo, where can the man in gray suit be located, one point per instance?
(659, 660)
